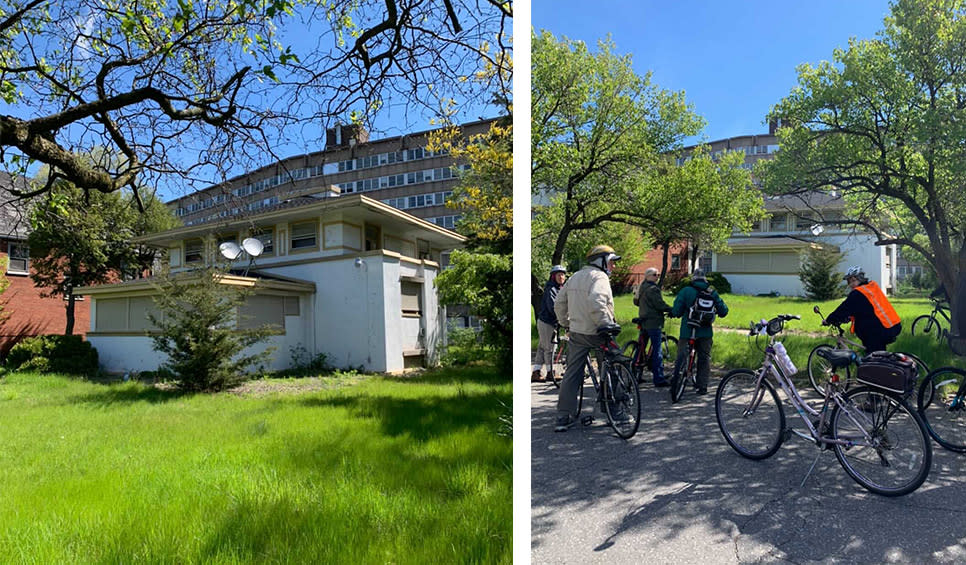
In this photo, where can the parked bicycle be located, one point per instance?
(641, 350)
(942, 405)
(929, 324)
(878, 439)
(616, 391)
(559, 342)
(687, 375)
(820, 370)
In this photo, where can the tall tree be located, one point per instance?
(77, 240)
(192, 88)
(885, 123)
(597, 129)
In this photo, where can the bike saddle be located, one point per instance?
(837, 357)
(609, 330)
(637, 321)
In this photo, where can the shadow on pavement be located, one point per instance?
(677, 493)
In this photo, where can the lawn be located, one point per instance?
(360, 469)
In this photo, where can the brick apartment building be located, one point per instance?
(398, 171)
(25, 312)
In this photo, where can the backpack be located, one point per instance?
(704, 308)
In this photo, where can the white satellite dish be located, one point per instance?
(252, 246)
(817, 229)
(230, 250)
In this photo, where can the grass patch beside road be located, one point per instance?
(366, 470)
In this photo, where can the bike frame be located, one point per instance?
(804, 410)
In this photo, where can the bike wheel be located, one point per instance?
(927, 325)
(819, 369)
(680, 381)
(751, 417)
(941, 398)
(887, 449)
(630, 350)
(669, 347)
(559, 363)
(622, 400)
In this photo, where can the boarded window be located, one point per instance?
(137, 315)
(260, 310)
(303, 235)
(412, 297)
(267, 238)
(291, 306)
(111, 314)
(194, 251)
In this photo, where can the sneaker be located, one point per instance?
(535, 377)
(701, 390)
(662, 384)
(621, 418)
(564, 423)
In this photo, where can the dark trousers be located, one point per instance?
(579, 347)
(657, 354)
(703, 347)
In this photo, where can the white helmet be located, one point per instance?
(854, 271)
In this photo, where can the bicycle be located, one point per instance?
(640, 355)
(927, 324)
(877, 438)
(942, 406)
(819, 369)
(617, 388)
(558, 365)
(687, 373)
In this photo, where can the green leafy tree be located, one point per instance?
(79, 240)
(190, 88)
(884, 123)
(597, 130)
(197, 329)
(480, 277)
(819, 273)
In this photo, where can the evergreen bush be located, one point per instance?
(68, 354)
(819, 275)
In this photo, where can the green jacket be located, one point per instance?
(651, 306)
(683, 302)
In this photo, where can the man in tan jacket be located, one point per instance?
(584, 304)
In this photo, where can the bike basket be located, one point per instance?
(891, 371)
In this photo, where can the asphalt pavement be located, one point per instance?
(676, 493)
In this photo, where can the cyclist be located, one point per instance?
(685, 304)
(874, 320)
(584, 304)
(651, 310)
(547, 324)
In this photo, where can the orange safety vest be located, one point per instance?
(880, 304)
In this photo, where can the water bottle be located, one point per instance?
(784, 360)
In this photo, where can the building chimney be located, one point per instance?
(345, 135)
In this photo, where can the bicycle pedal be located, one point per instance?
(586, 420)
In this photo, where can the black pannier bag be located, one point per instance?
(892, 371)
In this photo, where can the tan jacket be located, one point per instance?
(585, 302)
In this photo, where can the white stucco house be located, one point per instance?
(768, 259)
(347, 276)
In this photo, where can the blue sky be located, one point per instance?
(734, 60)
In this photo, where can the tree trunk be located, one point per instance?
(558, 249)
(70, 311)
(664, 258)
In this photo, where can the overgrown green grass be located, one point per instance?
(368, 470)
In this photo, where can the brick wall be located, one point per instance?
(26, 314)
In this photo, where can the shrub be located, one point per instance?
(717, 280)
(464, 347)
(68, 354)
(820, 279)
(198, 331)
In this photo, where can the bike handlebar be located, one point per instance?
(773, 326)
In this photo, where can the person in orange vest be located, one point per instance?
(874, 320)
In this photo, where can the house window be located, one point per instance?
(412, 299)
(268, 241)
(803, 224)
(704, 263)
(194, 251)
(19, 258)
(779, 222)
(304, 235)
(373, 237)
(675, 262)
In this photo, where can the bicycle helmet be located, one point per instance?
(600, 255)
(854, 271)
(558, 269)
